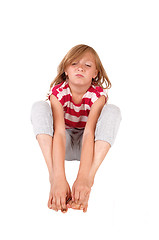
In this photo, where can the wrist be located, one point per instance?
(88, 177)
(51, 179)
(51, 176)
(58, 171)
(57, 177)
(84, 171)
(91, 174)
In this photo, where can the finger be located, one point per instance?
(84, 204)
(85, 208)
(81, 207)
(87, 196)
(64, 211)
(87, 193)
(73, 194)
(58, 203)
(54, 204)
(63, 204)
(82, 197)
(68, 197)
(50, 202)
(77, 196)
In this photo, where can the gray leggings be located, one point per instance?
(106, 128)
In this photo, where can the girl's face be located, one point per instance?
(82, 71)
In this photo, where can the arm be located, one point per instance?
(59, 142)
(86, 154)
(59, 138)
(100, 151)
(82, 185)
(84, 182)
(87, 151)
(60, 189)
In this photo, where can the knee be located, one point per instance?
(40, 108)
(114, 110)
(39, 105)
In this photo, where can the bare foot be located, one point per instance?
(76, 206)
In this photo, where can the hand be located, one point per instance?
(80, 193)
(60, 192)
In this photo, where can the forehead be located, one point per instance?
(87, 56)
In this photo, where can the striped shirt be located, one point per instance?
(75, 115)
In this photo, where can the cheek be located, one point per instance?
(92, 73)
(70, 74)
(69, 71)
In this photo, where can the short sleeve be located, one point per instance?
(98, 92)
(56, 91)
(103, 92)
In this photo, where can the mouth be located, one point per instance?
(79, 75)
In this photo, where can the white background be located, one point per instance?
(35, 36)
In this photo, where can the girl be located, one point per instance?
(76, 124)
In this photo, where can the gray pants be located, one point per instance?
(106, 128)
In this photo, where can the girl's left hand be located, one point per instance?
(80, 192)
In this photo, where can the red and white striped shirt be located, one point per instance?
(76, 114)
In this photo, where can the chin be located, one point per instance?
(77, 81)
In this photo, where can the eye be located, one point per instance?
(88, 65)
(74, 63)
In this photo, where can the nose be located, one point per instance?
(80, 68)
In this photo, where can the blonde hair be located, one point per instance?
(75, 53)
